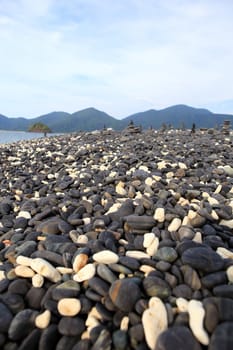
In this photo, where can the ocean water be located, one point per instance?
(13, 136)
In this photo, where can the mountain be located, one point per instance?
(92, 119)
(178, 116)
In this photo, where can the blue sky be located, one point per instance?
(121, 56)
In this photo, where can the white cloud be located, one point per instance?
(118, 56)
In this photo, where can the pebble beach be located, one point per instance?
(117, 240)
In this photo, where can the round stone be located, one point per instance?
(106, 257)
(71, 326)
(175, 338)
(5, 318)
(24, 271)
(124, 294)
(166, 253)
(69, 306)
(221, 337)
(22, 324)
(156, 287)
(85, 273)
(42, 321)
(202, 258)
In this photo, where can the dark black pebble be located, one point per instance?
(178, 338)
(6, 317)
(22, 324)
(71, 326)
(222, 337)
(203, 259)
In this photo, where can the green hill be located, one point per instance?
(92, 119)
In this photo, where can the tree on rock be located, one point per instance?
(40, 127)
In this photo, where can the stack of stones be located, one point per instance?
(108, 242)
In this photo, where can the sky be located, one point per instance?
(119, 56)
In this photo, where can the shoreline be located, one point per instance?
(113, 240)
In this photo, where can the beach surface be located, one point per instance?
(117, 240)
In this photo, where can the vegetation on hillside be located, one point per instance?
(39, 127)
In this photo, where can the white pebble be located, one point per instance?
(37, 281)
(197, 237)
(174, 225)
(148, 238)
(2, 275)
(69, 306)
(42, 321)
(64, 270)
(23, 260)
(229, 272)
(182, 304)
(44, 268)
(120, 189)
(124, 324)
(196, 320)
(224, 253)
(24, 214)
(24, 271)
(154, 321)
(106, 257)
(228, 223)
(137, 254)
(84, 274)
(152, 249)
(159, 214)
(82, 239)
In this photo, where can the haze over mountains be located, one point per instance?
(89, 119)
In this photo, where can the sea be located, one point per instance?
(14, 136)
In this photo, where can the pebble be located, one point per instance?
(167, 254)
(5, 318)
(203, 259)
(44, 268)
(24, 271)
(69, 306)
(105, 257)
(178, 338)
(67, 289)
(42, 321)
(154, 321)
(229, 273)
(37, 280)
(85, 273)
(196, 321)
(22, 324)
(79, 261)
(174, 225)
(71, 326)
(221, 337)
(124, 294)
(165, 233)
(159, 214)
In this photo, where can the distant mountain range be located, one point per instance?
(178, 116)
